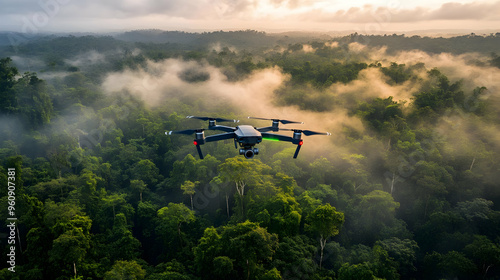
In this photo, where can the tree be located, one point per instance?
(279, 214)
(484, 253)
(294, 257)
(138, 185)
(454, 264)
(121, 243)
(7, 81)
(245, 247)
(189, 188)
(146, 171)
(249, 245)
(70, 247)
(207, 250)
(441, 95)
(223, 267)
(396, 72)
(320, 169)
(326, 221)
(113, 200)
(176, 214)
(404, 253)
(218, 183)
(376, 212)
(384, 266)
(241, 172)
(125, 270)
(33, 103)
(360, 271)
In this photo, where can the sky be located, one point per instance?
(371, 17)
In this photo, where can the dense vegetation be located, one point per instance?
(102, 193)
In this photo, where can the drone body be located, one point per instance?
(246, 136)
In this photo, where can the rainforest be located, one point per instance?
(406, 187)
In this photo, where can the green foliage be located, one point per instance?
(8, 73)
(34, 105)
(326, 221)
(398, 73)
(356, 272)
(101, 191)
(244, 247)
(442, 95)
(374, 214)
(223, 267)
(127, 270)
(383, 115)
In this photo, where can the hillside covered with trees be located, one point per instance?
(407, 186)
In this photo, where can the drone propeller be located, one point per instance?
(199, 139)
(185, 132)
(212, 119)
(307, 132)
(276, 120)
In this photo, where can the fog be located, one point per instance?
(251, 96)
(256, 95)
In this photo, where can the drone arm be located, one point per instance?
(219, 137)
(267, 128)
(223, 128)
(279, 137)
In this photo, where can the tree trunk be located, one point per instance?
(472, 164)
(322, 243)
(191, 202)
(392, 183)
(240, 187)
(179, 233)
(227, 205)
(248, 270)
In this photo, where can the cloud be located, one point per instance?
(481, 11)
(267, 15)
(474, 10)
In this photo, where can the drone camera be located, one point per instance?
(249, 153)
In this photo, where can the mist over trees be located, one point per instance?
(405, 188)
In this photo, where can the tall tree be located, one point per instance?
(241, 172)
(176, 214)
(326, 221)
(7, 80)
(249, 244)
(139, 186)
(189, 188)
(33, 102)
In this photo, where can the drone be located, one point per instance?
(246, 136)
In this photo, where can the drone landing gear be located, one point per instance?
(298, 148)
(198, 148)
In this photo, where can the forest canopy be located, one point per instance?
(405, 188)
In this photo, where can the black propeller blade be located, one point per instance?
(212, 119)
(185, 132)
(307, 132)
(276, 120)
